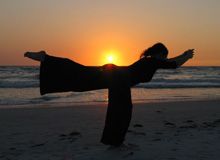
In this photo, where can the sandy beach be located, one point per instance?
(173, 130)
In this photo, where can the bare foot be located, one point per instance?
(38, 56)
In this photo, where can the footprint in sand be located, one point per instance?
(38, 145)
(189, 121)
(169, 124)
(75, 134)
(137, 125)
(211, 124)
(71, 136)
(208, 125)
(189, 126)
(192, 124)
(137, 133)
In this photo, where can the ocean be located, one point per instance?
(19, 85)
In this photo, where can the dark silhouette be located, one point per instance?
(61, 75)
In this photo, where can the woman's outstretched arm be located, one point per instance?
(181, 59)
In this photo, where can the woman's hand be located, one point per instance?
(189, 53)
(181, 59)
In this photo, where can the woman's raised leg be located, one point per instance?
(37, 56)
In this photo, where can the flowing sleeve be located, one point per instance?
(165, 64)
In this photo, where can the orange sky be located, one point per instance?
(87, 30)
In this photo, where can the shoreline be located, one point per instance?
(100, 104)
(24, 98)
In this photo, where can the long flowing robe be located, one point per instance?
(62, 75)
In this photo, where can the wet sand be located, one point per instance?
(173, 130)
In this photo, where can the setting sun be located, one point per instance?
(111, 57)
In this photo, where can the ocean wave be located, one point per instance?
(182, 81)
(156, 83)
(178, 85)
(19, 84)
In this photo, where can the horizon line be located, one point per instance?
(104, 64)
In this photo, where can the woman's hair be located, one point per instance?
(156, 48)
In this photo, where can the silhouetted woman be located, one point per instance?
(61, 75)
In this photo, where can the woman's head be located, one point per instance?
(158, 50)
